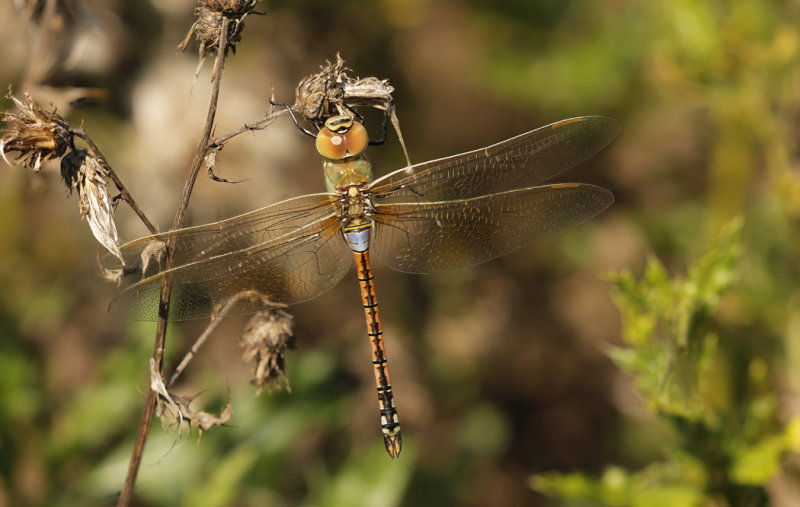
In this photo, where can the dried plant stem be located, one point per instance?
(258, 124)
(161, 327)
(212, 325)
(126, 196)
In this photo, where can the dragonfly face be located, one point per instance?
(446, 213)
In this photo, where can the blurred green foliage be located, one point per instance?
(502, 371)
(726, 446)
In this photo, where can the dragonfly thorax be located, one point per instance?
(356, 206)
(356, 215)
(346, 172)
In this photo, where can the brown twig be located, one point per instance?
(161, 327)
(259, 124)
(126, 196)
(216, 318)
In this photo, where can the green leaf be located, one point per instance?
(758, 464)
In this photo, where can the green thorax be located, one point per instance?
(347, 171)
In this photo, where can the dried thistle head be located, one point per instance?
(332, 92)
(206, 29)
(36, 133)
(321, 95)
(266, 337)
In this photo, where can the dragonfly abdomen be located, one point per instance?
(390, 422)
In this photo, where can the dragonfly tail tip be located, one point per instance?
(393, 442)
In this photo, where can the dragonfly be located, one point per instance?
(446, 213)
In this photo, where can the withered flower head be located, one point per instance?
(37, 134)
(321, 95)
(332, 92)
(209, 14)
(266, 337)
(86, 174)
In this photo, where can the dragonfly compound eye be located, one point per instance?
(341, 137)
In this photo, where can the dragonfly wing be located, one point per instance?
(427, 237)
(519, 162)
(282, 254)
(259, 226)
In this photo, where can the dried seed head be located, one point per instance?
(332, 92)
(266, 337)
(37, 134)
(321, 95)
(206, 29)
(86, 174)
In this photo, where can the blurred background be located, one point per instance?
(500, 371)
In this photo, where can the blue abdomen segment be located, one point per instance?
(358, 236)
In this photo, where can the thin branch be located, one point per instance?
(163, 311)
(259, 124)
(212, 325)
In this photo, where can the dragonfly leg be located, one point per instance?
(390, 422)
(294, 118)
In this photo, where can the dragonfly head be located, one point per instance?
(341, 137)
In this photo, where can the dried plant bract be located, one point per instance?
(174, 410)
(94, 203)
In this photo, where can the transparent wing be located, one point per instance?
(285, 253)
(519, 162)
(421, 238)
